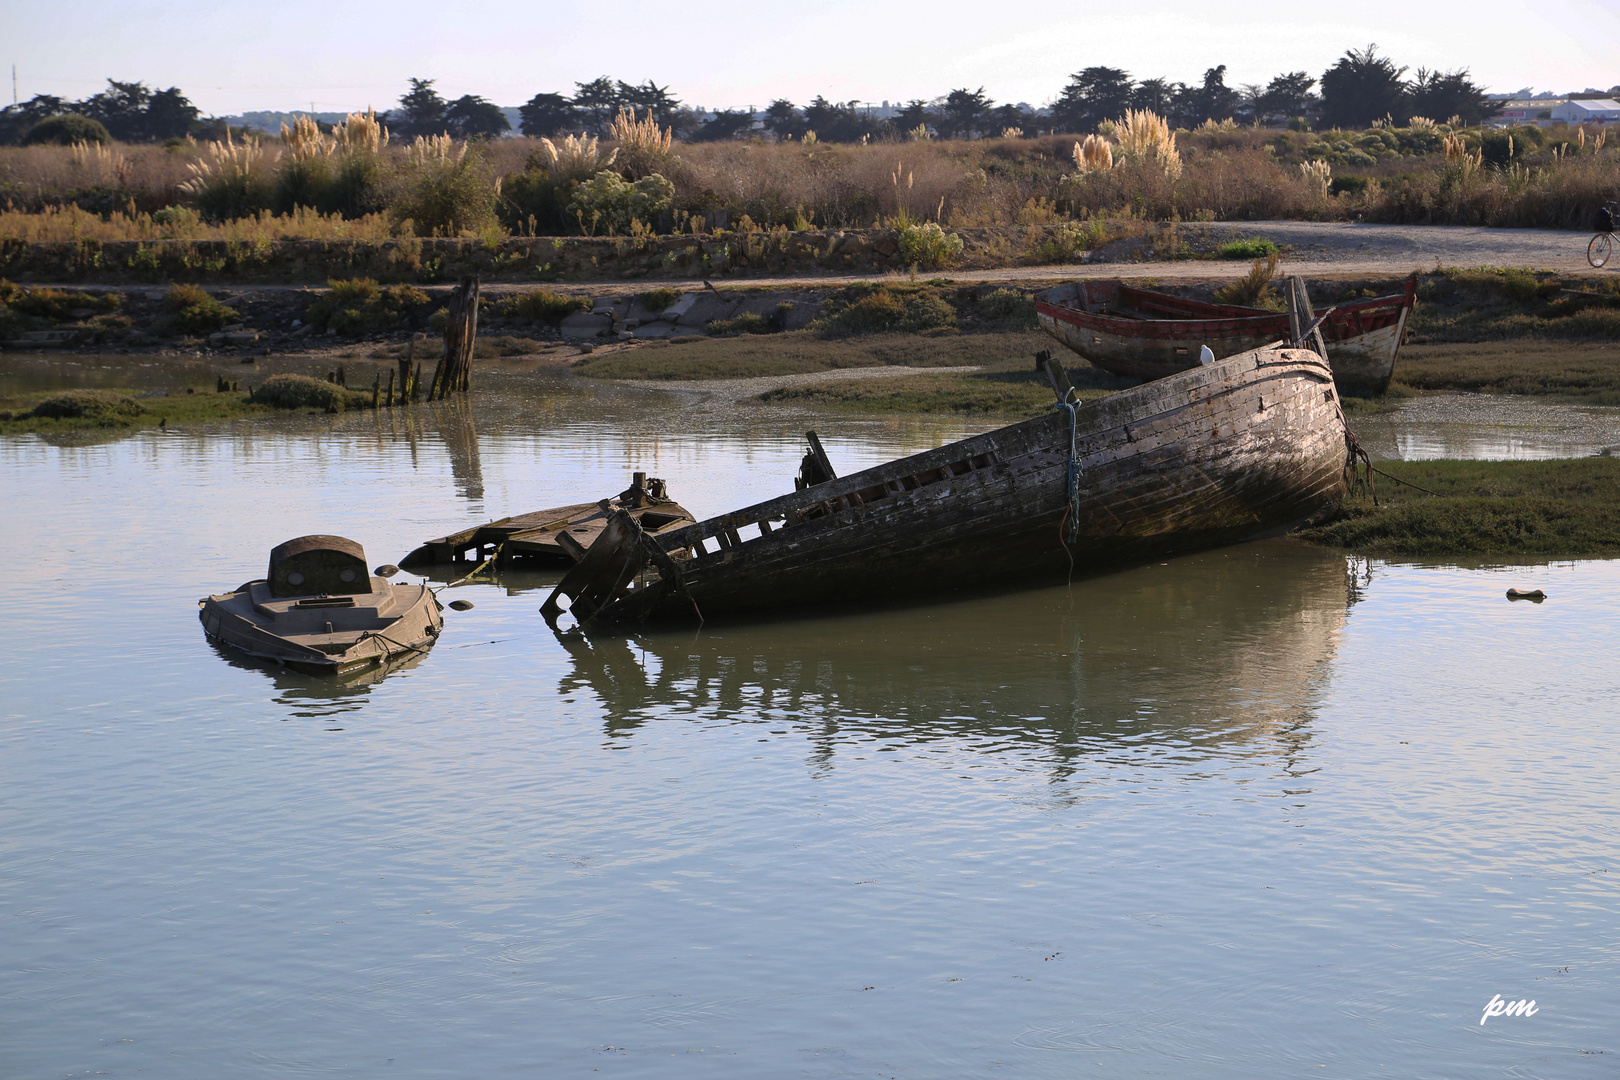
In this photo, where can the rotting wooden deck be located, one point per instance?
(559, 535)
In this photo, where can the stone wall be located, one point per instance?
(515, 259)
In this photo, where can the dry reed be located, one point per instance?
(577, 157)
(69, 223)
(1096, 154)
(1146, 137)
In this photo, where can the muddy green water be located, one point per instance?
(1264, 811)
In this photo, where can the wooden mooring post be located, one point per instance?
(405, 371)
(454, 373)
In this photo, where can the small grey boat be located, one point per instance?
(320, 610)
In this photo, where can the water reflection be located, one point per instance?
(1489, 427)
(455, 423)
(1214, 650)
(325, 697)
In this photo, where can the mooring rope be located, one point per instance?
(384, 637)
(1408, 483)
(1354, 454)
(1069, 524)
(463, 580)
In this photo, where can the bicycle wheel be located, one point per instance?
(1597, 252)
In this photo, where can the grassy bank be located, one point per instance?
(122, 410)
(1009, 388)
(1583, 371)
(1484, 508)
(1506, 303)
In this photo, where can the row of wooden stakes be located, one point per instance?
(453, 374)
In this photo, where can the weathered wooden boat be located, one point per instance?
(557, 536)
(320, 610)
(1220, 453)
(1145, 334)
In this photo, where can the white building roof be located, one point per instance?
(1603, 105)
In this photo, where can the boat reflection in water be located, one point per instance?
(1220, 648)
(318, 696)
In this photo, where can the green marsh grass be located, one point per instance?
(1484, 508)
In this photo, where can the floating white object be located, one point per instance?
(1205, 355)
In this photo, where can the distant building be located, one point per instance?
(1532, 111)
(1588, 111)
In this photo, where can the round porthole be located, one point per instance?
(295, 578)
(347, 575)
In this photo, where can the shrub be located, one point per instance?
(104, 407)
(357, 187)
(303, 392)
(1510, 283)
(1068, 240)
(532, 203)
(608, 204)
(176, 219)
(641, 146)
(361, 306)
(67, 130)
(339, 173)
(929, 246)
(541, 306)
(1247, 249)
(1008, 307)
(659, 299)
(231, 181)
(190, 310)
(1145, 138)
(447, 190)
(1254, 288)
(57, 305)
(573, 158)
(302, 181)
(884, 310)
(746, 323)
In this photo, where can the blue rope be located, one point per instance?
(1071, 524)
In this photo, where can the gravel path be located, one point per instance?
(1311, 249)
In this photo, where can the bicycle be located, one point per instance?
(1597, 252)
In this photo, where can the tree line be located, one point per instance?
(126, 111)
(1359, 88)
(1362, 86)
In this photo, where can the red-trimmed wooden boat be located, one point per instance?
(1145, 334)
(1217, 454)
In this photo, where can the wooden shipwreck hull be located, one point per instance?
(1209, 456)
(559, 535)
(1144, 334)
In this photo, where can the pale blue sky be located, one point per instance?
(234, 56)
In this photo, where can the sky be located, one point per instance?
(230, 57)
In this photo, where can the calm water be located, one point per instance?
(1264, 811)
